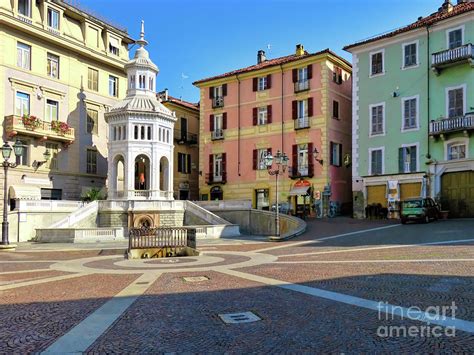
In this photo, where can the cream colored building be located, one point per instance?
(186, 149)
(60, 71)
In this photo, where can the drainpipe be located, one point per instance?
(238, 121)
(282, 114)
(428, 72)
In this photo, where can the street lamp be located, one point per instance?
(6, 153)
(281, 161)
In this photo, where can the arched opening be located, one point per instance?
(118, 183)
(142, 172)
(164, 174)
(149, 133)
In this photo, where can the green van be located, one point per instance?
(418, 209)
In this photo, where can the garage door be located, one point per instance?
(410, 190)
(457, 193)
(377, 194)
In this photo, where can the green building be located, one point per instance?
(413, 113)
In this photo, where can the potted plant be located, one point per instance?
(30, 121)
(60, 127)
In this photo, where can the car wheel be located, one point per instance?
(403, 221)
(427, 219)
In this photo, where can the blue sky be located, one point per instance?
(202, 38)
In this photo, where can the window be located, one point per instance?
(261, 154)
(141, 82)
(376, 162)
(113, 86)
(53, 66)
(410, 113)
(184, 163)
(53, 18)
(376, 119)
(22, 104)
(455, 102)
(337, 75)
(150, 84)
(262, 83)
(23, 56)
(302, 113)
(114, 46)
(376, 63)
(24, 7)
(336, 154)
(407, 159)
(132, 82)
(455, 38)
(93, 79)
(91, 161)
(53, 149)
(456, 150)
(335, 109)
(262, 115)
(302, 74)
(92, 121)
(410, 55)
(218, 168)
(303, 159)
(23, 158)
(52, 108)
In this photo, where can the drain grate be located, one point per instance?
(242, 317)
(195, 278)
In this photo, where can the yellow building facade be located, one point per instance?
(186, 149)
(60, 70)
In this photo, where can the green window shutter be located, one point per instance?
(413, 159)
(374, 162)
(401, 160)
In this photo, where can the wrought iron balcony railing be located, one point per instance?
(452, 56)
(452, 124)
(217, 134)
(302, 85)
(218, 102)
(32, 126)
(211, 178)
(185, 137)
(302, 122)
(301, 171)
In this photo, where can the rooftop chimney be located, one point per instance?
(261, 56)
(447, 6)
(299, 49)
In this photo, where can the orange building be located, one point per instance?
(299, 104)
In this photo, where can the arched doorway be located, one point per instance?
(164, 174)
(217, 193)
(142, 172)
(117, 183)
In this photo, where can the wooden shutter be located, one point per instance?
(269, 114)
(211, 164)
(224, 90)
(255, 116)
(331, 153)
(339, 163)
(310, 107)
(211, 123)
(310, 71)
(255, 84)
(255, 159)
(180, 167)
(211, 92)
(413, 159)
(401, 160)
(224, 120)
(294, 157)
(294, 109)
(310, 160)
(224, 163)
(188, 167)
(269, 81)
(295, 75)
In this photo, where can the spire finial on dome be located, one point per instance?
(142, 32)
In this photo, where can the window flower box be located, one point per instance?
(31, 122)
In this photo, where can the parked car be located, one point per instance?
(419, 209)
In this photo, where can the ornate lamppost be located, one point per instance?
(6, 153)
(281, 161)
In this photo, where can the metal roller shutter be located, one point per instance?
(377, 194)
(410, 190)
(457, 193)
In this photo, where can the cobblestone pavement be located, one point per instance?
(317, 293)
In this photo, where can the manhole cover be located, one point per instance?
(195, 278)
(242, 317)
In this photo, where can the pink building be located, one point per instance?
(299, 104)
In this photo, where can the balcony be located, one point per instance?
(302, 85)
(216, 179)
(450, 57)
(15, 125)
(218, 102)
(451, 125)
(301, 123)
(217, 134)
(185, 137)
(301, 171)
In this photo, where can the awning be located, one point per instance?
(299, 191)
(25, 192)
